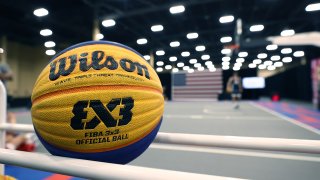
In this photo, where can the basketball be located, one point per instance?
(99, 101)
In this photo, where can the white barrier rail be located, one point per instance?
(3, 117)
(77, 167)
(99, 170)
(238, 142)
(3, 111)
(93, 169)
(17, 127)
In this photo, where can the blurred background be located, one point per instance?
(196, 47)
(174, 36)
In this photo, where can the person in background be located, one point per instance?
(5, 73)
(234, 86)
(14, 140)
(164, 93)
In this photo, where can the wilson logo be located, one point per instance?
(103, 113)
(98, 61)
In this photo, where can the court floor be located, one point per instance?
(219, 118)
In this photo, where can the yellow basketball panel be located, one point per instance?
(53, 112)
(104, 76)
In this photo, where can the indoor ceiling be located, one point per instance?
(72, 22)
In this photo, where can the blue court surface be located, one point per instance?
(253, 119)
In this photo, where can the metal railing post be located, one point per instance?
(3, 117)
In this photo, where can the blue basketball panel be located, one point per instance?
(119, 156)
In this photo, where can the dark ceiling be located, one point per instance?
(72, 22)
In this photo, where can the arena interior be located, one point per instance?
(229, 70)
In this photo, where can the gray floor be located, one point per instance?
(219, 118)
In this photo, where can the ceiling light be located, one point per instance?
(197, 65)
(175, 70)
(271, 68)
(160, 63)
(208, 63)
(262, 55)
(286, 50)
(156, 28)
(142, 41)
(240, 60)
(275, 58)
(225, 67)
(226, 58)
(1, 50)
(237, 64)
(185, 68)
(177, 9)
(257, 61)
(108, 23)
(226, 39)
(212, 69)
(146, 57)
(313, 7)
(173, 58)
(278, 64)
(180, 64)
(40, 12)
(255, 28)
(236, 68)
(192, 35)
(46, 32)
(205, 57)
(50, 52)
(262, 66)
(159, 69)
(200, 48)
(287, 32)
(200, 68)
(99, 36)
(185, 54)
(286, 59)
(225, 63)
(271, 47)
(192, 61)
(160, 52)
(242, 54)
(49, 44)
(190, 70)
(168, 67)
(226, 19)
(298, 54)
(267, 63)
(225, 51)
(175, 44)
(251, 65)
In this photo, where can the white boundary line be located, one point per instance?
(293, 121)
(234, 152)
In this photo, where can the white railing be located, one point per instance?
(92, 169)
(77, 167)
(213, 141)
(3, 118)
(99, 170)
(237, 142)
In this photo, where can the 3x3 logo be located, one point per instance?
(103, 113)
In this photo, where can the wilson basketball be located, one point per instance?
(99, 101)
